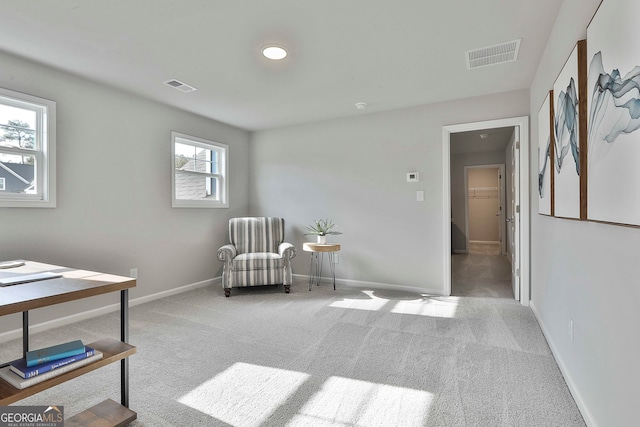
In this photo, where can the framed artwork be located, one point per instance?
(545, 156)
(569, 128)
(614, 113)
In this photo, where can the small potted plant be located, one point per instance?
(321, 228)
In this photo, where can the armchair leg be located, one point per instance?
(227, 292)
(287, 289)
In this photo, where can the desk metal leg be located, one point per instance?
(25, 333)
(124, 337)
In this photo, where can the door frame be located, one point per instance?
(523, 123)
(502, 229)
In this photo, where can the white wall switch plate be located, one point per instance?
(420, 196)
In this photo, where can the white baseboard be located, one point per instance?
(582, 406)
(62, 321)
(374, 285)
(485, 242)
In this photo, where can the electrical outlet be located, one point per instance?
(133, 273)
(571, 329)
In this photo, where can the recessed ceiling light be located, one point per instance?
(274, 52)
(361, 105)
(484, 135)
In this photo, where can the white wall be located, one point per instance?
(114, 203)
(353, 171)
(585, 271)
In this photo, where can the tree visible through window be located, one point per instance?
(27, 150)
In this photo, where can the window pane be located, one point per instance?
(191, 158)
(184, 154)
(18, 173)
(194, 187)
(214, 161)
(17, 127)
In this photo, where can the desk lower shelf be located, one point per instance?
(107, 413)
(112, 350)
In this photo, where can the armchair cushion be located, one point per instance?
(258, 261)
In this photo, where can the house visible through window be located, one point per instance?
(199, 172)
(27, 150)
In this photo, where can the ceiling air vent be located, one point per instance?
(492, 55)
(182, 87)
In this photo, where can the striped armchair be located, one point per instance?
(257, 254)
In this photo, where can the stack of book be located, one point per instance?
(49, 362)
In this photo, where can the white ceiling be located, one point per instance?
(496, 139)
(389, 54)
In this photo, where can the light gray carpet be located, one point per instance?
(341, 358)
(482, 275)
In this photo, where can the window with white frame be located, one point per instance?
(199, 172)
(27, 150)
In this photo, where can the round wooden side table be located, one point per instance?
(316, 249)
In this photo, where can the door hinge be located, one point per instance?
(517, 272)
(517, 208)
(518, 145)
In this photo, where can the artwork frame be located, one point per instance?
(570, 134)
(614, 107)
(546, 142)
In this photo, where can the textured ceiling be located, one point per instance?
(389, 54)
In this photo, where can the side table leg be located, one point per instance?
(319, 268)
(311, 270)
(332, 266)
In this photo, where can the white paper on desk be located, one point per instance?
(11, 264)
(26, 278)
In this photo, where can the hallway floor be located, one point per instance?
(481, 273)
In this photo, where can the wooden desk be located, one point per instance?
(73, 285)
(315, 272)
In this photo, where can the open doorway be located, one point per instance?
(484, 209)
(497, 142)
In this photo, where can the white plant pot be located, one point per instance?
(321, 239)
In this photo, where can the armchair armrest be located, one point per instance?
(227, 253)
(287, 250)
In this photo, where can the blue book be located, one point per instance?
(55, 352)
(20, 366)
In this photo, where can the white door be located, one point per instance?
(513, 221)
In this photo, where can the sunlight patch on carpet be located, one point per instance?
(348, 402)
(428, 307)
(422, 306)
(244, 394)
(371, 302)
